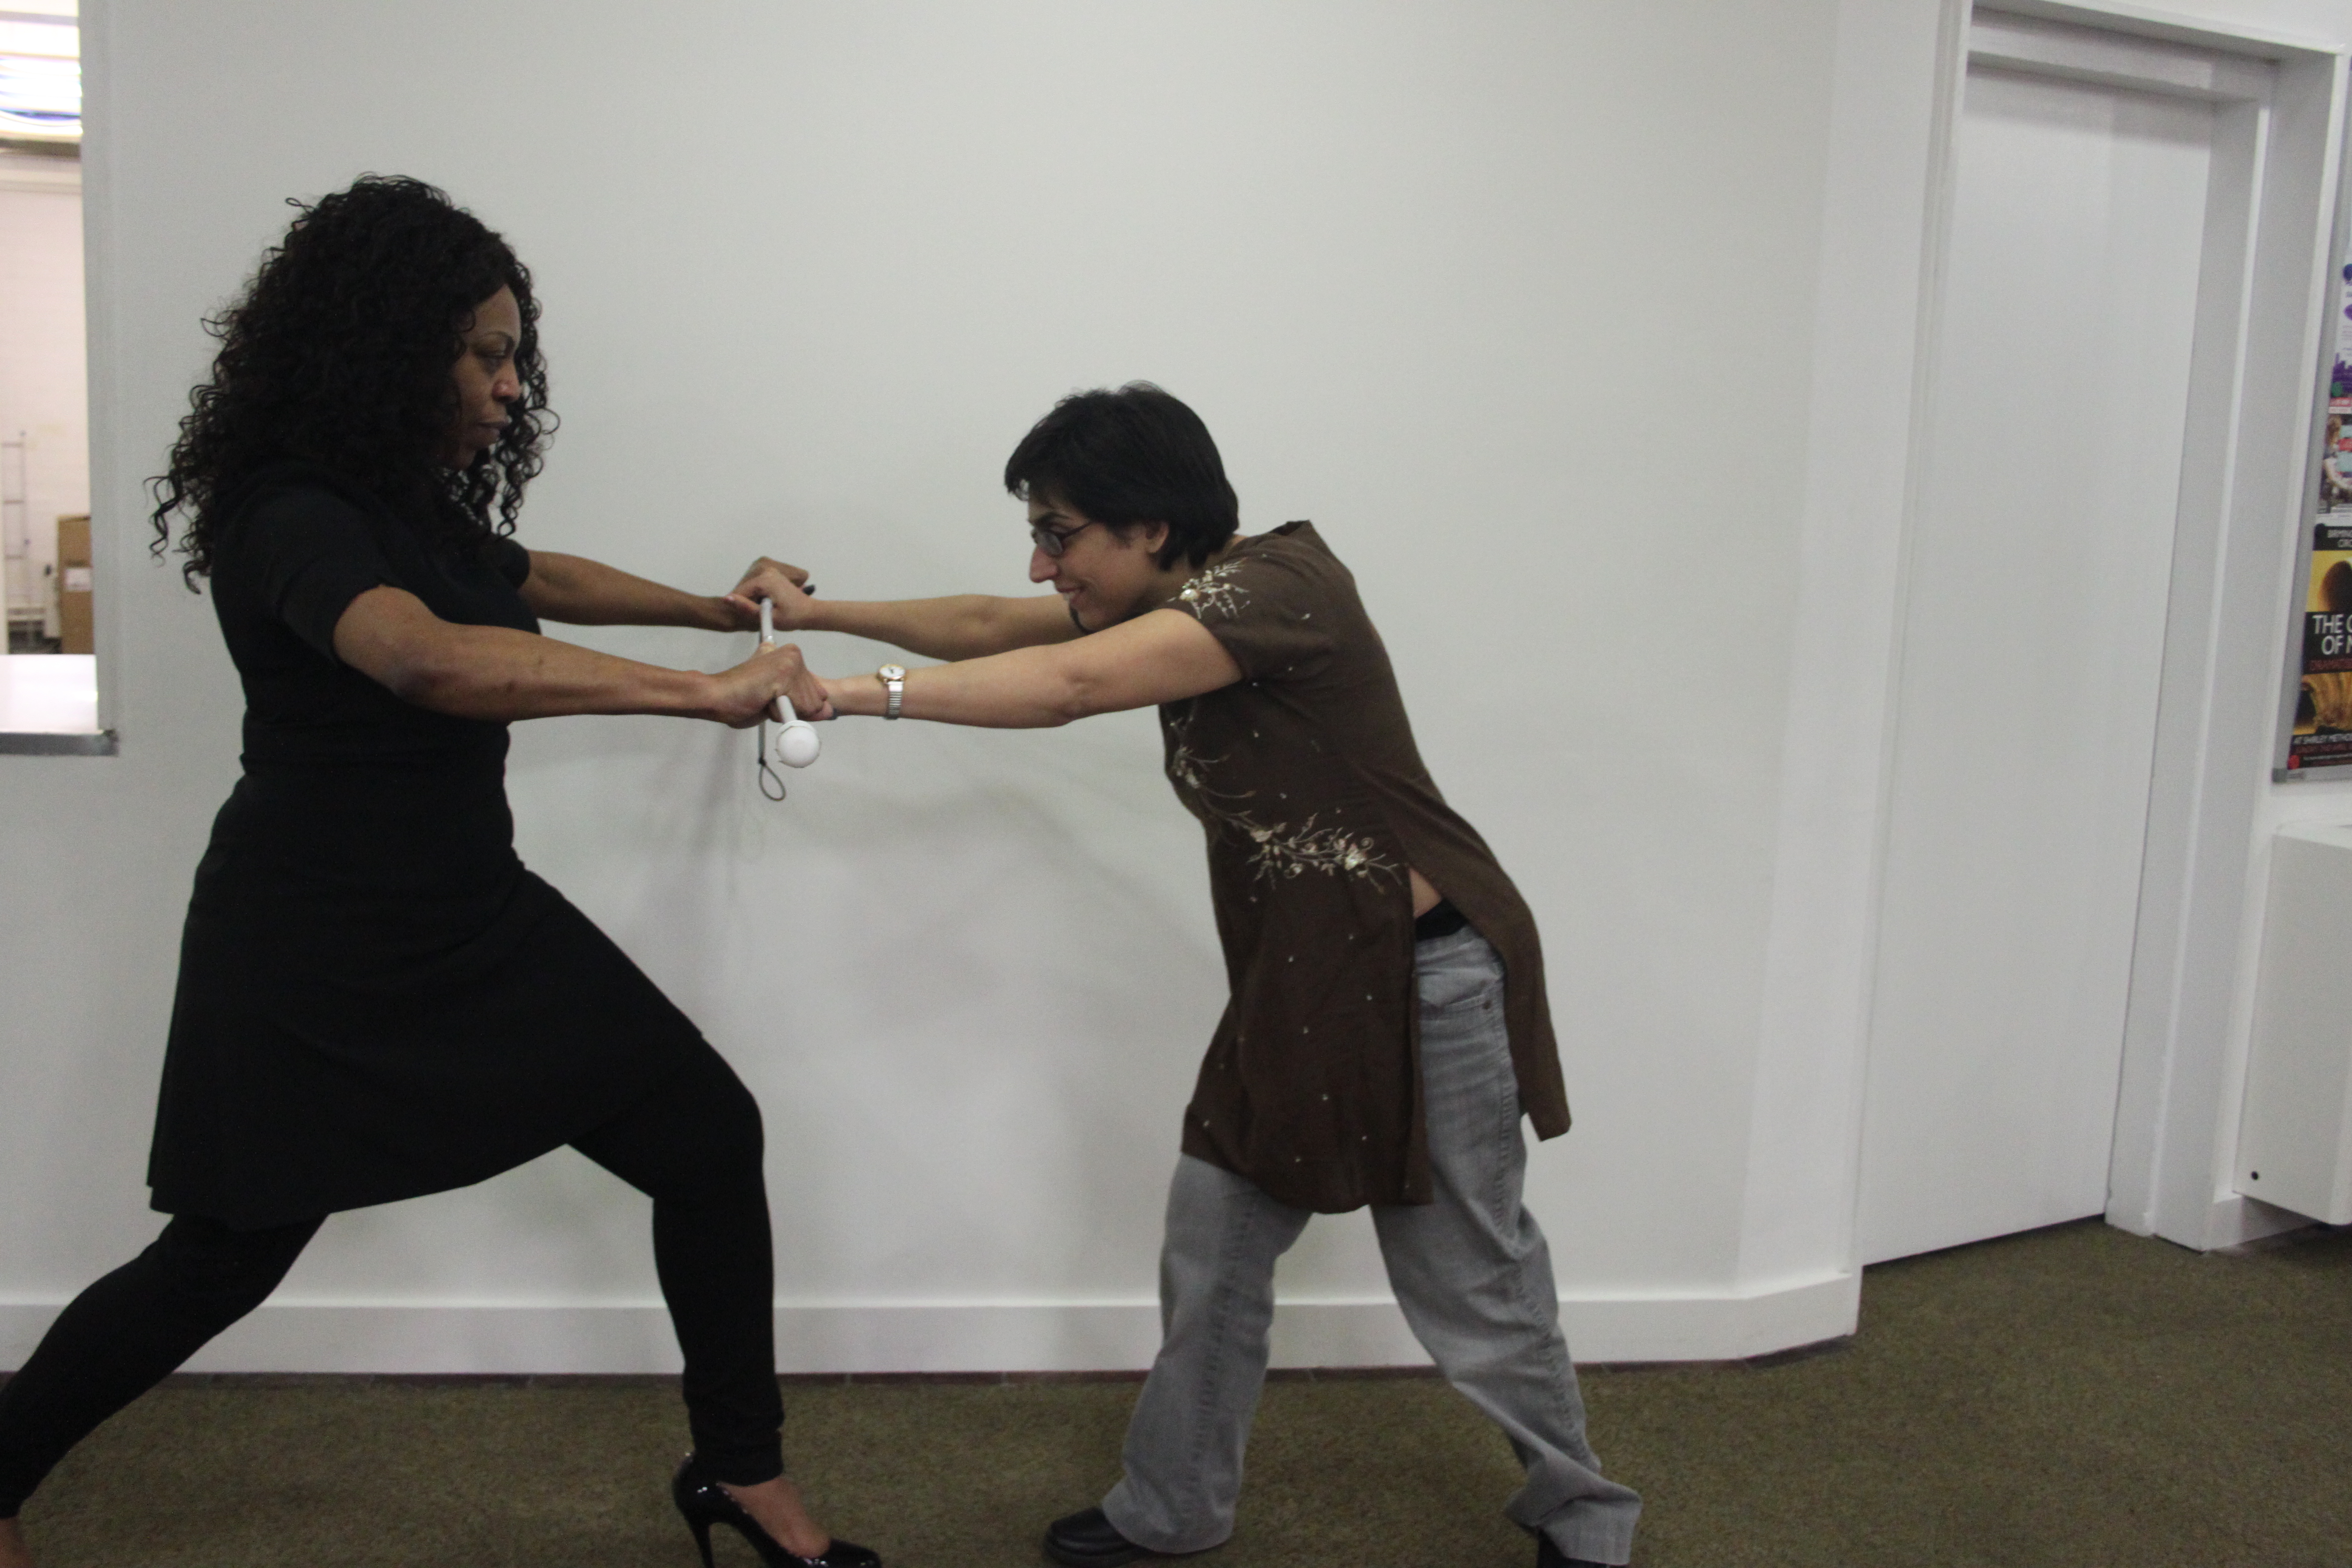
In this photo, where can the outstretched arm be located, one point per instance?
(1164, 655)
(584, 593)
(500, 674)
(963, 625)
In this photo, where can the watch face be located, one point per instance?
(892, 672)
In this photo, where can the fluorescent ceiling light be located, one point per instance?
(40, 72)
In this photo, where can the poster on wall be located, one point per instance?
(2322, 735)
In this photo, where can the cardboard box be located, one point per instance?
(74, 586)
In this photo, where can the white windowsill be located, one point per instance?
(48, 704)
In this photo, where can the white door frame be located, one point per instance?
(2270, 255)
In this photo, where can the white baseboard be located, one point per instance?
(1096, 1336)
(2235, 1221)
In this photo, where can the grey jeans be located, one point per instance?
(1470, 1270)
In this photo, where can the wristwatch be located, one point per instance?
(893, 678)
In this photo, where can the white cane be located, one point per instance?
(796, 739)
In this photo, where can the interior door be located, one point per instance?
(2034, 631)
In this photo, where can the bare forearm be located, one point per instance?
(1162, 656)
(1028, 688)
(500, 674)
(959, 626)
(583, 592)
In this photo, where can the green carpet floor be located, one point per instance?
(2072, 1398)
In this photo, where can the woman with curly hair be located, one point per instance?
(376, 1000)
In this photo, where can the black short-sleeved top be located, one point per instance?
(1317, 806)
(375, 999)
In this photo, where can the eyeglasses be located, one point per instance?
(1054, 542)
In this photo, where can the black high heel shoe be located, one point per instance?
(703, 1502)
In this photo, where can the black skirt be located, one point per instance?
(376, 1000)
(342, 1040)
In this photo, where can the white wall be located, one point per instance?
(44, 394)
(1586, 334)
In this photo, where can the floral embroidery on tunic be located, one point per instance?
(1275, 851)
(1306, 848)
(1211, 591)
(1187, 767)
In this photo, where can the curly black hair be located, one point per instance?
(340, 352)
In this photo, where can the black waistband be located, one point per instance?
(1442, 920)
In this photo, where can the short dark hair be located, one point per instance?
(1130, 456)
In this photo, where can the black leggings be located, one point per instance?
(693, 1146)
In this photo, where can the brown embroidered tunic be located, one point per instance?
(1316, 803)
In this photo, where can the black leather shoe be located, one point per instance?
(1550, 1556)
(1088, 1540)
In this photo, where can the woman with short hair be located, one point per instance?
(376, 1000)
(1388, 1027)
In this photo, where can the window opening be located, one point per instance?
(48, 675)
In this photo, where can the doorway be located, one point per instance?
(2094, 186)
